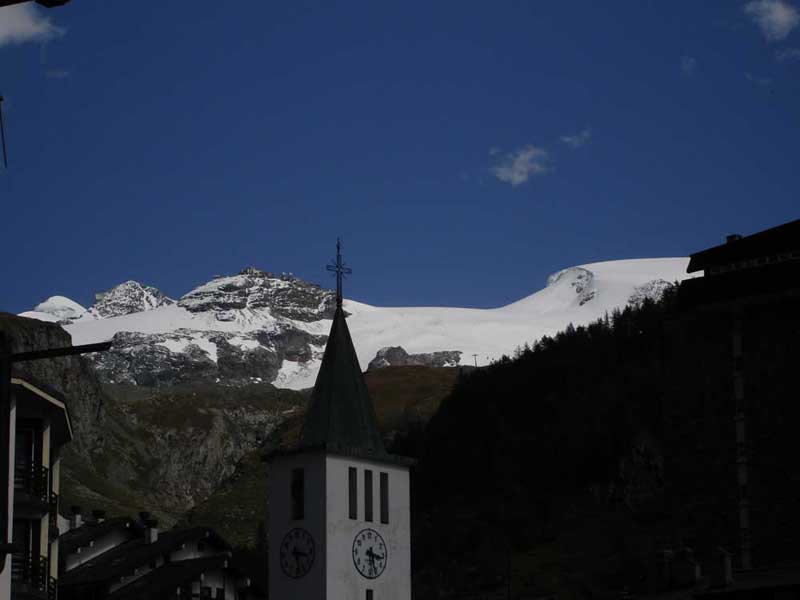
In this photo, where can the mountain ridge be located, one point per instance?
(257, 326)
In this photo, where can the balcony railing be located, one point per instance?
(53, 515)
(52, 588)
(31, 479)
(31, 571)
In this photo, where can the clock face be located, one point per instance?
(297, 553)
(369, 553)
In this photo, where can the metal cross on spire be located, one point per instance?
(341, 269)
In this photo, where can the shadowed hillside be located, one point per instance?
(578, 460)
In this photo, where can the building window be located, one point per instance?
(384, 497)
(353, 482)
(367, 494)
(298, 494)
(369, 595)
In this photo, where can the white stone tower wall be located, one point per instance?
(312, 585)
(344, 581)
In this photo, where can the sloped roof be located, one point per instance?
(340, 416)
(123, 559)
(784, 238)
(168, 577)
(33, 394)
(73, 539)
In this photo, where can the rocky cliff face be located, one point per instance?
(162, 448)
(194, 435)
(396, 356)
(70, 375)
(190, 356)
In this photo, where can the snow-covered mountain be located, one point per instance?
(258, 326)
(123, 299)
(57, 309)
(127, 298)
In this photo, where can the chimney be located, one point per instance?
(75, 519)
(732, 238)
(150, 531)
(99, 515)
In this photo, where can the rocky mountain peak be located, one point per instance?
(283, 295)
(252, 271)
(128, 297)
(581, 280)
(396, 356)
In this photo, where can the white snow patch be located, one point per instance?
(208, 346)
(297, 376)
(176, 346)
(180, 344)
(41, 316)
(244, 344)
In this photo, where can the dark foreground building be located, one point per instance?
(731, 359)
(124, 558)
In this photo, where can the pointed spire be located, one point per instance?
(340, 416)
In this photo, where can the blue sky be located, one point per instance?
(462, 150)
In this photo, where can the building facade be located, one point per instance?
(40, 427)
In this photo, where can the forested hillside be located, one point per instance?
(590, 452)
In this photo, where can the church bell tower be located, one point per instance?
(339, 504)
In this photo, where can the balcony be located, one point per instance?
(30, 576)
(31, 490)
(53, 516)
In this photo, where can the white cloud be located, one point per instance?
(22, 23)
(788, 55)
(518, 166)
(775, 18)
(576, 140)
(688, 65)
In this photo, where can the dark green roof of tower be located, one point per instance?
(341, 417)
